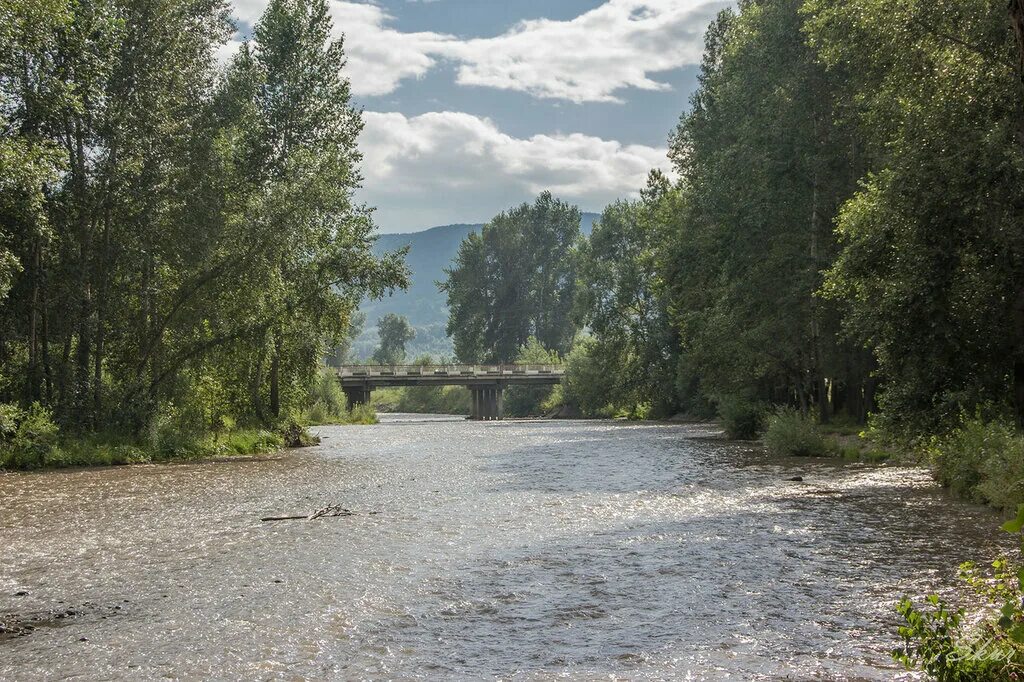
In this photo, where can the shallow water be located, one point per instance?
(527, 550)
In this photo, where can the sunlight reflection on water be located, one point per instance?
(524, 550)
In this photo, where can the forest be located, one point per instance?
(179, 243)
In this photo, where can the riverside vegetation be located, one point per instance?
(179, 243)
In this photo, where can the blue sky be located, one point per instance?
(472, 106)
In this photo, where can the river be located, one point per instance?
(513, 550)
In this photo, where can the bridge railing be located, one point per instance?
(446, 370)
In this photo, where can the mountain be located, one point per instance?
(430, 252)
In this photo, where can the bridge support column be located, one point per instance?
(357, 395)
(488, 403)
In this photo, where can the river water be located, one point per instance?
(513, 550)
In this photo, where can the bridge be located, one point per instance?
(487, 383)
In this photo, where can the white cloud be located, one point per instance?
(380, 57)
(462, 167)
(588, 59)
(620, 44)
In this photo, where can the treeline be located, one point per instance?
(177, 239)
(845, 236)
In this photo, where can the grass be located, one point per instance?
(110, 449)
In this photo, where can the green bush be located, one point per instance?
(28, 438)
(789, 433)
(174, 434)
(742, 419)
(938, 640)
(326, 400)
(362, 414)
(982, 462)
(251, 442)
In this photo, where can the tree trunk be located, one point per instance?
(33, 387)
(275, 378)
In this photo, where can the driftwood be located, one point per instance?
(327, 512)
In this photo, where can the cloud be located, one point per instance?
(380, 57)
(620, 44)
(588, 59)
(462, 167)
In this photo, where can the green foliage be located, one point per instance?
(789, 433)
(526, 401)
(937, 639)
(742, 418)
(28, 438)
(395, 331)
(362, 414)
(932, 262)
(514, 280)
(982, 462)
(621, 298)
(179, 243)
(326, 402)
(586, 386)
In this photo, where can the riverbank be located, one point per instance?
(30, 439)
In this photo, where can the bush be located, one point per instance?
(28, 438)
(251, 442)
(173, 434)
(743, 419)
(326, 400)
(982, 462)
(937, 640)
(362, 414)
(790, 433)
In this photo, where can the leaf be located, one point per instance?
(1017, 524)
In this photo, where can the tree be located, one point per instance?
(932, 264)
(395, 331)
(513, 281)
(765, 160)
(523, 401)
(172, 240)
(621, 299)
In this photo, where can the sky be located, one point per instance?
(474, 106)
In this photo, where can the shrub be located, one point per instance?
(937, 640)
(982, 462)
(790, 433)
(743, 419)
(326, 400)
(362, 414)
(28, 438)
(173, 433)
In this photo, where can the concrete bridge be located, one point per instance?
(486, 382)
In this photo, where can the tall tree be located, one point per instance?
(621, 299)
(513, 281)
(764, 167)
(932, 264)
(395, 331)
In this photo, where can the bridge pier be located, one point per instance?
(357, 395)
(488, 403)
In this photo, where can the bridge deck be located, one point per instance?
(449, 375)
